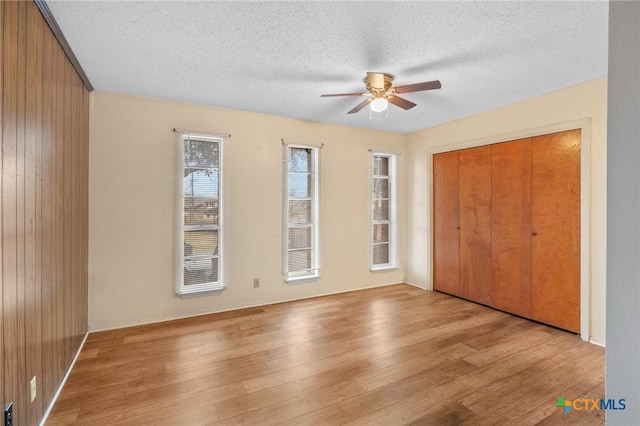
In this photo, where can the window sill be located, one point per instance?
(202, 293)
(383, 268)
(302, 280)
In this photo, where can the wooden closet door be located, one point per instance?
(555, 197)
(475, 223)
(445, 223)
(511, 226)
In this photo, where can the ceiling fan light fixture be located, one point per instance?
(379, 104)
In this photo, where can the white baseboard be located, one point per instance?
(64, 380)
(417, 286)
(597, 343)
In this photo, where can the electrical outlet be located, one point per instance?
(34, 388)
(256, 282)
(8, 414)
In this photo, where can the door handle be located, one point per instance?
(533, 234)
(457, 227)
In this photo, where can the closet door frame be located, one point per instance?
(584, 126)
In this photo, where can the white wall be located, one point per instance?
(623, 180)
(587, 100)
(131, 211)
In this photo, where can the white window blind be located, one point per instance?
(383, 223)
(200, 226)
(301, 206)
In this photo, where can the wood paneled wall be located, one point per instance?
(44, 216)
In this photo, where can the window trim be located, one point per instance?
(204, 288)
(392, 221)
(299, 277)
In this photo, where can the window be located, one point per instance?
(301, 257)
(200, 226)
(383, 220)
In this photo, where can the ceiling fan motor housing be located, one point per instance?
(378, 84)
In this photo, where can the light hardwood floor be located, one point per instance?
(394, 355)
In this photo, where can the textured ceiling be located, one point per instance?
(279, 57)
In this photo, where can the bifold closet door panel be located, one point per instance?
(475, 223)
(555, 197)
(511, 226)
(445, 223)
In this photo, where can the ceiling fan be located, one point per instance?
(380, 92)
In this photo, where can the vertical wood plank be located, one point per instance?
(46, 218)
(63, 145)
(37, 362)
(79, 167)
(67, 215)
(81, 213)
(74, 214)
(511, 226)
(446, 272)
(475, 223)
(59, 215)
(60, 333)
(33, 119)
(85, 213)
(55, 231)
(70, 212)
(2, 88)
(555, 201)
(85, 263)
(21, 408)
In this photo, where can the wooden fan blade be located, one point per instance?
(401, 102)
(343, 94)
(360, 106)
(375, 80)
(427, 85)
